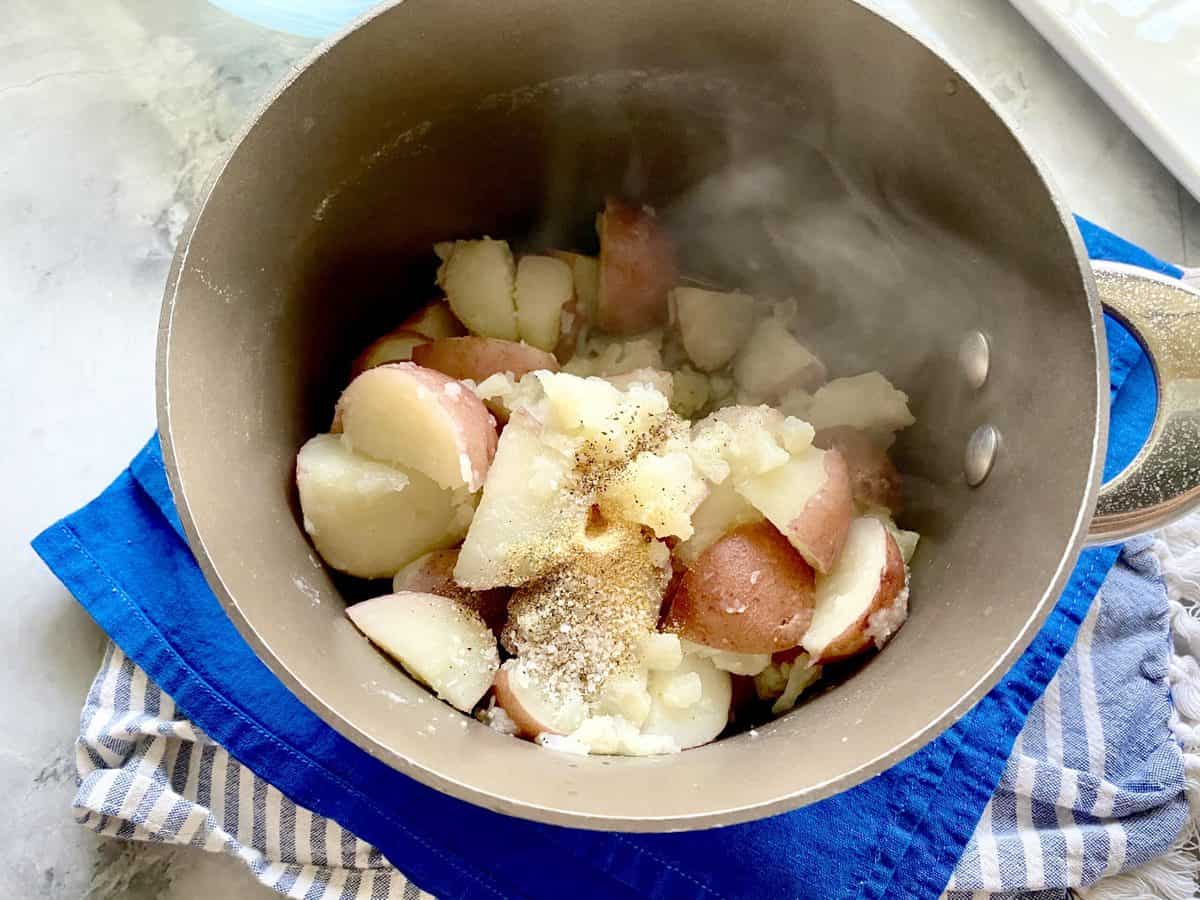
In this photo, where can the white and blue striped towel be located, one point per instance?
(1091, 788)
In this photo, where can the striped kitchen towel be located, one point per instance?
(1090, 790)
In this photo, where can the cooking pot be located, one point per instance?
(814, 151)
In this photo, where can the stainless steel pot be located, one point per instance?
(807, 149)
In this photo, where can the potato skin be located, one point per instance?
(480, 357)
(819, 529)
(721, 603)
(874, 481)
(433, 573)
(855, 640)
(637, 270)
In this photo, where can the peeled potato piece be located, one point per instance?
(478, 358)
(544, 288)
(479, 278)
(874, 481)
(712, 326)
(395, 346)
(864, 600)
(404, 414)
(529, 705)
(750, 592)
(434, 320)
(690, 703)
(436, 639)
(433, 573)
(369, 519)
(637, 270)
(808, 499)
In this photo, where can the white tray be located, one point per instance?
(1143, 58)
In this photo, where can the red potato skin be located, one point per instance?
(637, 270)
(506, 698)
(778, 606)
(854, 640)
(819, 530)
(434, 320)
(477, 358)
(434, 574)
(874, 481)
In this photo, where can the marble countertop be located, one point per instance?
(113, 112)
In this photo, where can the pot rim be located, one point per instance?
(562, 815)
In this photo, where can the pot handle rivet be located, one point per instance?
(974, 355)
(982, 446)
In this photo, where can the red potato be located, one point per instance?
(544, 289)
(874, 481)
(864, 600)
(368, 519)
(772, 362)
(433, 573)
(749, 592)
(406, 414)
(395, 346)
(713, 326)
(637, 270)
(434, 320)
(808, 499)
(479, 278)
(477, 358)
(528, 705)
(437, 640)
(585, 271)
(693, 723)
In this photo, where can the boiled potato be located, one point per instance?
(528, 703)
(369, 519)
(478, 358)
(436, 639)
(864, 600)
(405, 414)
(772, 361)
(433, 573)
(749, 592)
(526, 523)
(808, 499)
(868, 402)
(690, 703)
(544, 288)
(713, 326)
(434, 320)
(395, 346)
(874, 481)
(637, 270)
(479, 278)
(585, 272)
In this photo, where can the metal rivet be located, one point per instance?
(981, 454)
(975, 357)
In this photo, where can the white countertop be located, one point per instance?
(113, 112)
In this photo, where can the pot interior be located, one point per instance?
(806, 150)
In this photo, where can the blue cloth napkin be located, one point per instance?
(898, 835)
